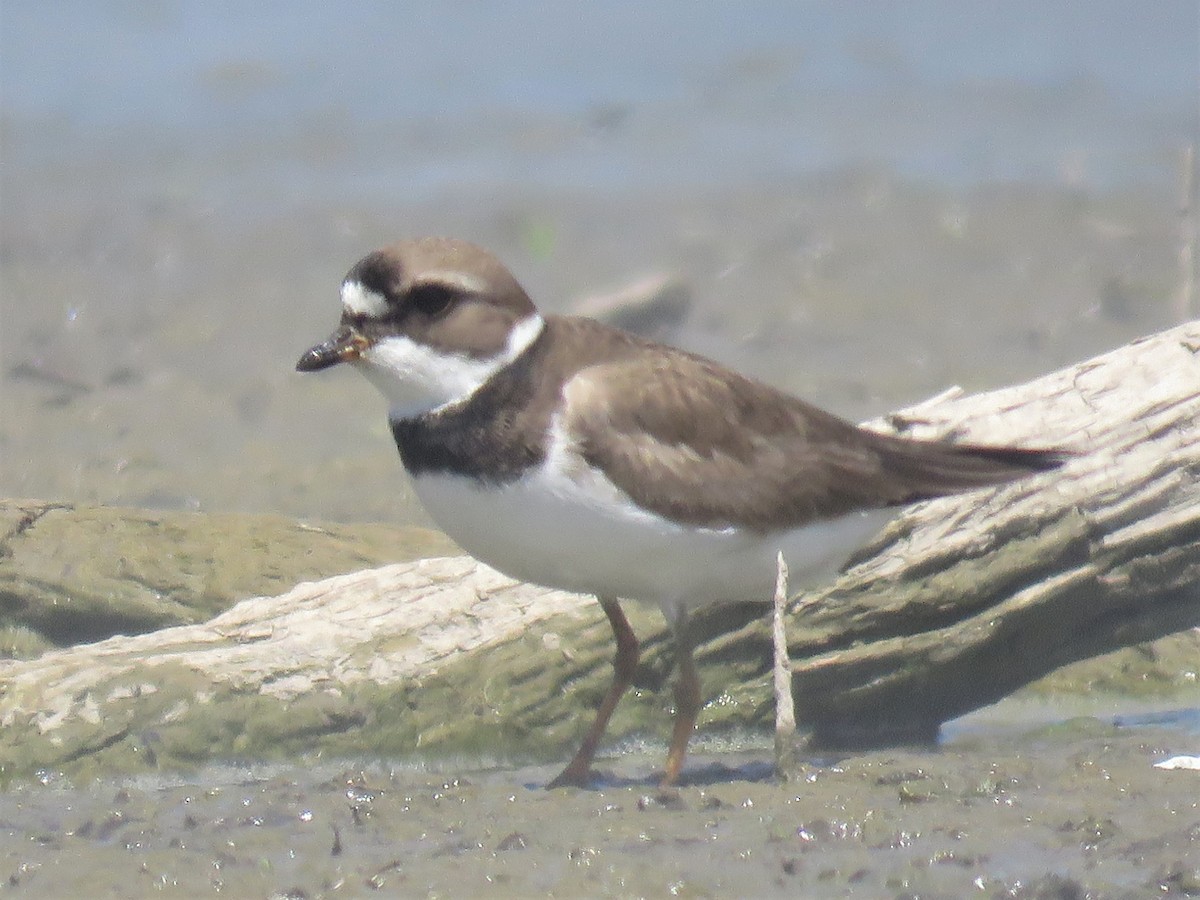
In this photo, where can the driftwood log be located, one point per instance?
(957, 603)
(963, 600)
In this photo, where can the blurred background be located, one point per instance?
(861, 203)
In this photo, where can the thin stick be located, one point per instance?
(1185, 299)
(785, 710)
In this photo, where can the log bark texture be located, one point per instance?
(958, 602)
(961, 601)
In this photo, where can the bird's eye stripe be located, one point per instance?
(431, 298)
(458, 282)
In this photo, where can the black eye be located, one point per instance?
(430, 299)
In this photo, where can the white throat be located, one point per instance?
(417, 379)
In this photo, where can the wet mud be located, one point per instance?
(1069, 810)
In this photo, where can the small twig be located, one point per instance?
(785, 709)
(1185, 300)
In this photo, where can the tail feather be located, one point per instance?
(935, 470)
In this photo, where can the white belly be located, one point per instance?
(577, 532)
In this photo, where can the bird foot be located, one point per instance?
(571, 776)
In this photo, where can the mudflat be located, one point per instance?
(1070, 810)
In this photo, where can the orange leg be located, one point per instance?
(624, 665)
(687, 703)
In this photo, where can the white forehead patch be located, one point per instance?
(360, 301)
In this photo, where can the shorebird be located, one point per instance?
(566, 453)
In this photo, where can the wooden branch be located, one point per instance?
(957, 603)
(785, 703)
(962, 600)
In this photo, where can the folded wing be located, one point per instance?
(707, 447)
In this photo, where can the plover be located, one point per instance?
(563, 452)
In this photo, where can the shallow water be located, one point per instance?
(868, 207)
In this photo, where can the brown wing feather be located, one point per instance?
(703, 445)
